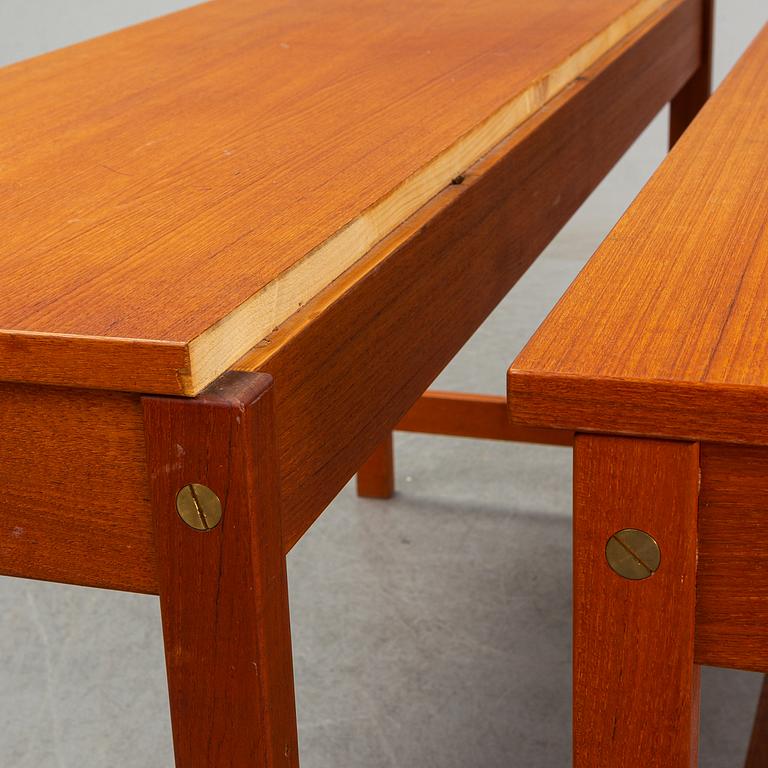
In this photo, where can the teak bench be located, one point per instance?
(657, 357)
(238, 243)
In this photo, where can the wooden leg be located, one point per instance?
(757, 757)
(694, 94)
(636, 687)
(223, 590)
(376, 478)
(457, 415)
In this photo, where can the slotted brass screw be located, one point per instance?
(199, 507)
(633, 554)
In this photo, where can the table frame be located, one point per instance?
(687, 462)
(704, 504)
(92, 476)
(485, 416)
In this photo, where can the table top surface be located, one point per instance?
(174, 190)
(676, 298)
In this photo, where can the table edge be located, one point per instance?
(187, 367)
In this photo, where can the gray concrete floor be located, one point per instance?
(432, 630)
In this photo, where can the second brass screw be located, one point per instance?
(633, 554)
(199, 507)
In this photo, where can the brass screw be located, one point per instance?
(198, 506)
(633, 554)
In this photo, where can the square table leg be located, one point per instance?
(221, 567)
(376, 478)
(636, 687)
(694, 94)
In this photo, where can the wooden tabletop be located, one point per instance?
(665, 332)
(173, 191)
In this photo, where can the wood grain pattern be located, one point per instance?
(732, 602)
(336, 399)
(636, 686)
(471, 415)
(649, 408)
(669, 314)
(349, 366)
(75, 494)
(185, 185)
(223, 592)
(757, 755)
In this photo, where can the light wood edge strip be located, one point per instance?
(283, 333)
(216, 349)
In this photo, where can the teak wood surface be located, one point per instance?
(461, 415)
(455, 415)
(663, 334)
(224, 592)
(732, 601)
(352, 362)
(472, 415)
(378, 481)
(215, 171)
(665, 331)
(173, 191)
(635, 683)
(342, 383)
(688, 102)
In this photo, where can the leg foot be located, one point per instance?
(376, 478)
